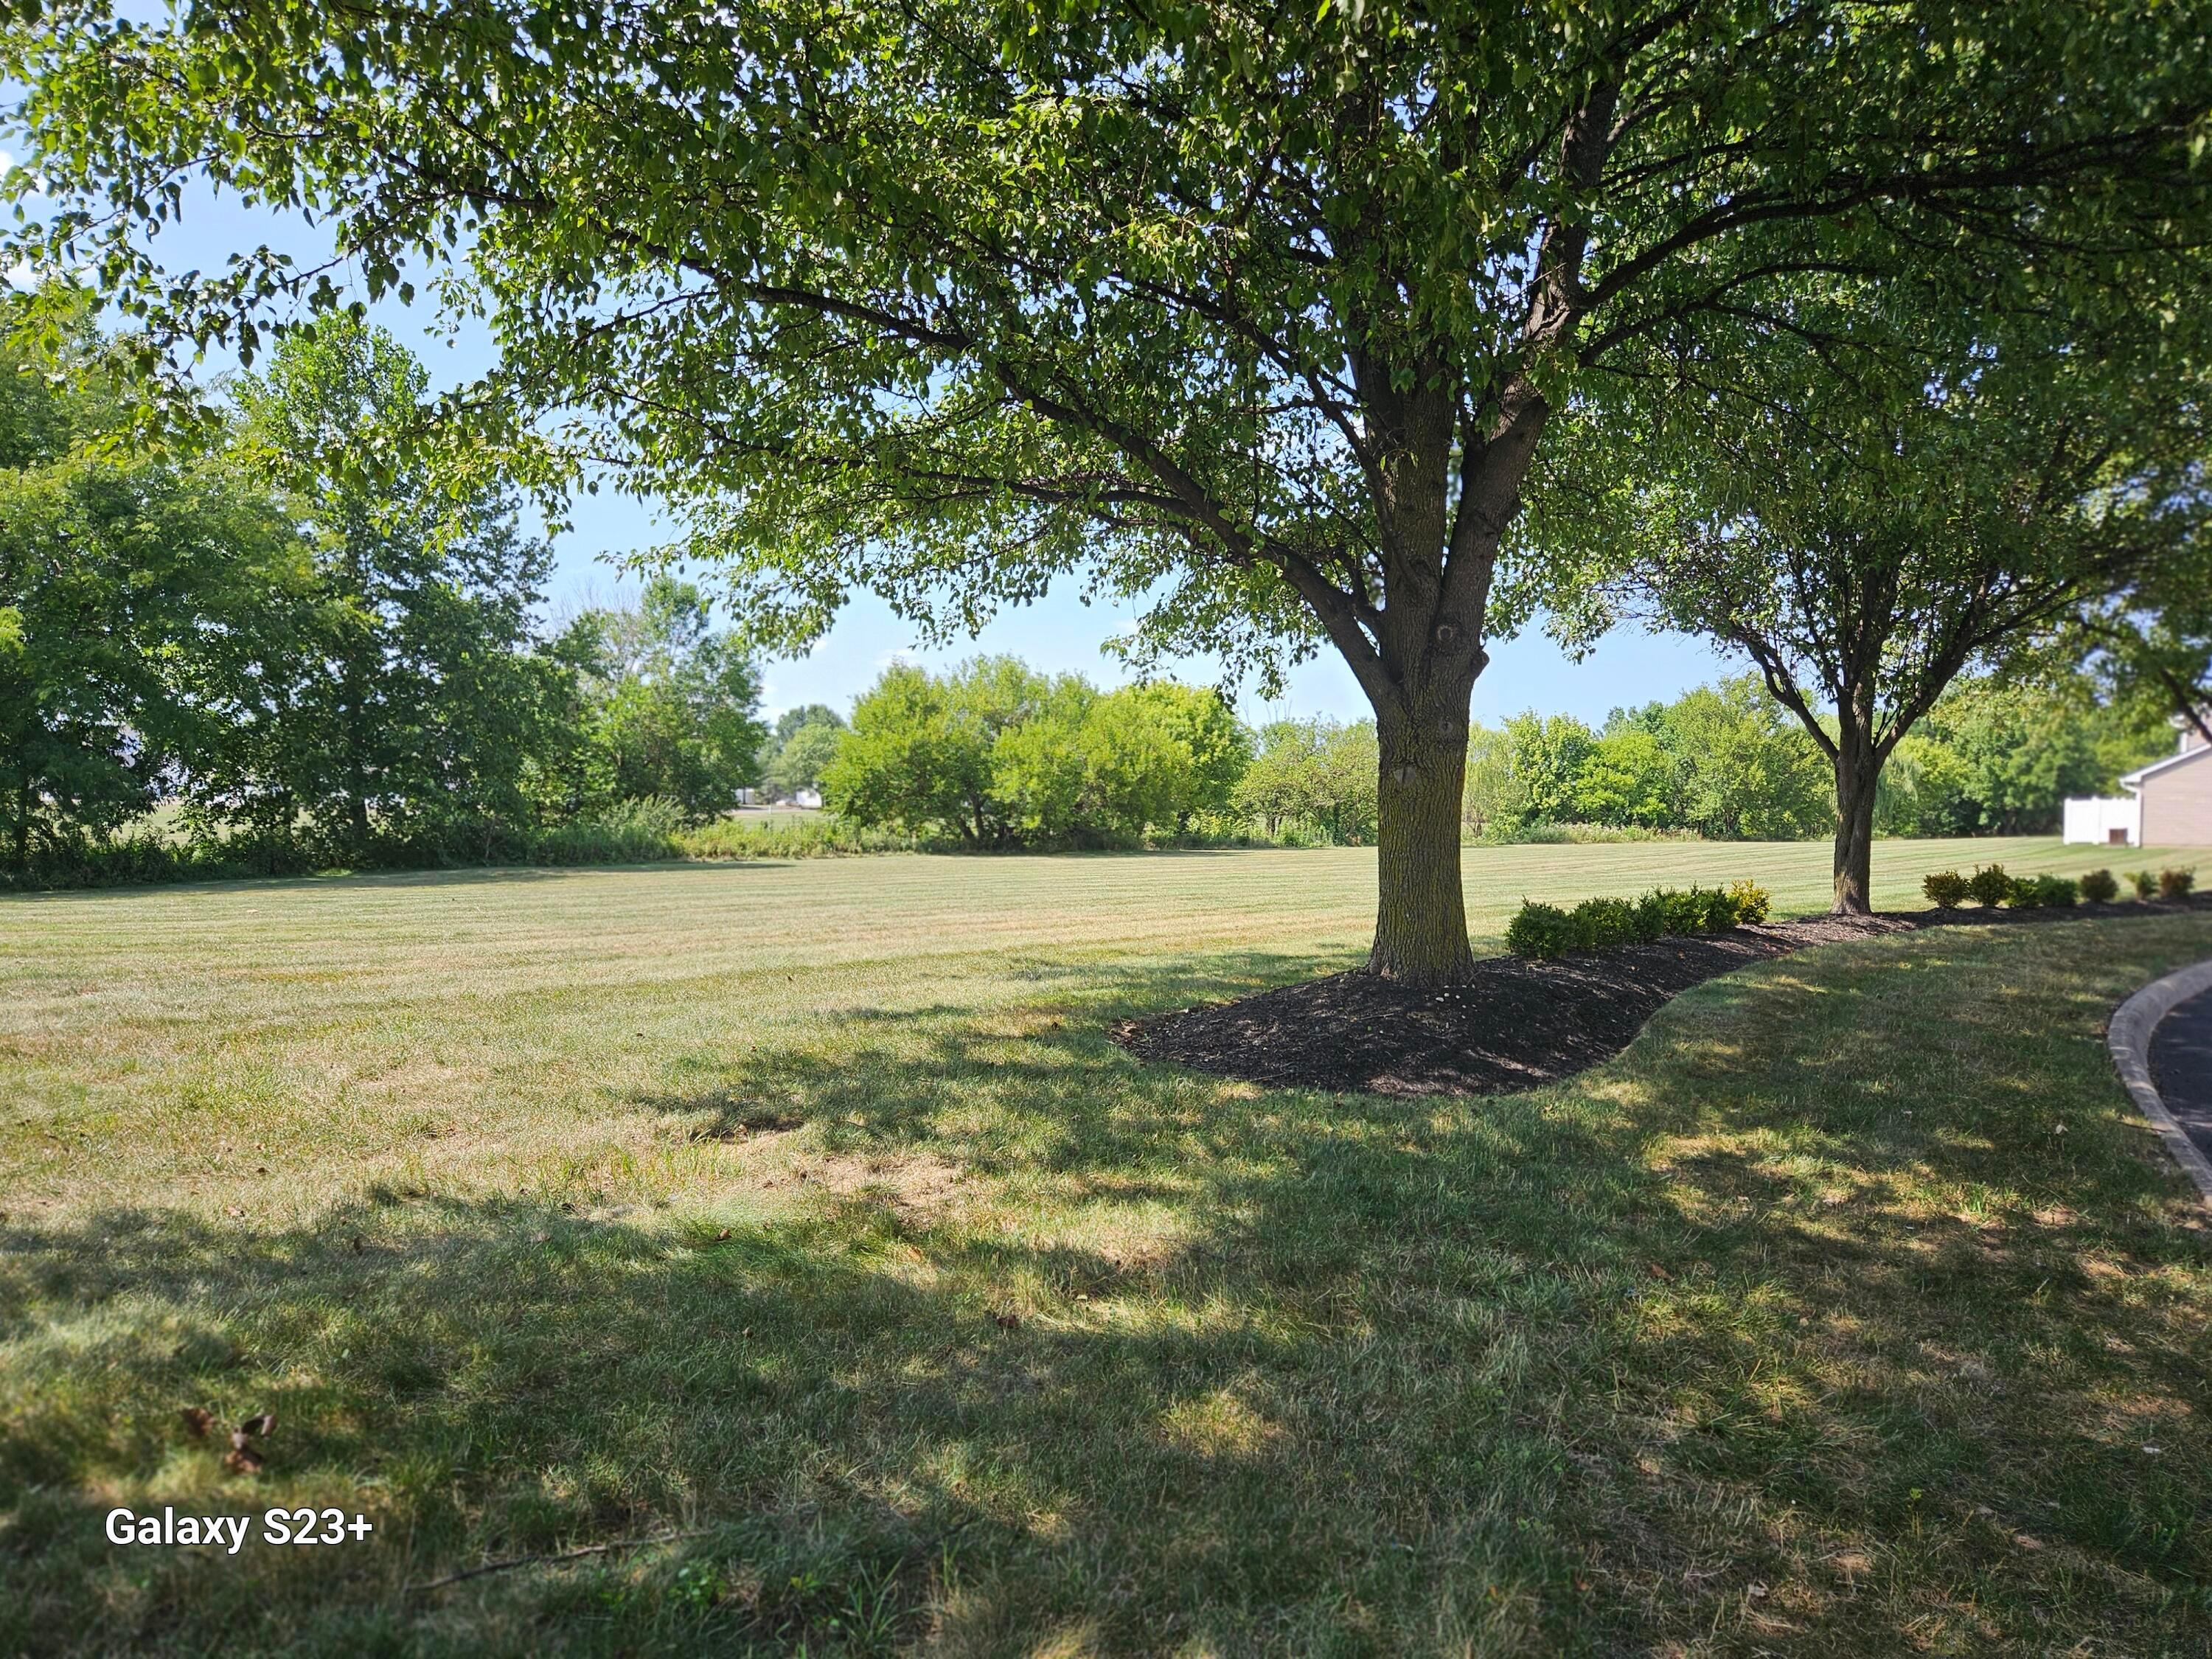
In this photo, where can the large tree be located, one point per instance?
(402, 700)
(669, 702)
(1256, 310)
(1865, 513)
(131, 580)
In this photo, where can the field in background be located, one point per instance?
(805, 1211)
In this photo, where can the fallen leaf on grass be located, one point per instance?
(722, 1236)
(232, 1210)
(197, 1421)
(265, 1424)
(1007, 1321)
(243, 1460)
(2026, 1543)
(1658, 1272)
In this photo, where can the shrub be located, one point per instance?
(1543, 832)
(1946, 888)
(1678, 912)
(1988, 884)
(1539, 930)
(2041, 892)
(1605, 924)
(1602, 923)
(2098, 887)
(629, 832)
(2144, 883)
(778, 837)
(2176, 884)
(1753, 902)
(1719, 911)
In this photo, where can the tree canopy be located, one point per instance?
(395, 698)
(1881, 497)
(669, 702)
(800, 748)
(126, 577)
(1002, 756)
(1258, 311)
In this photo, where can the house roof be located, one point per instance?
(2135, 778)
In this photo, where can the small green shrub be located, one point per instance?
(2061, 893)
(2144, 883)
(1539, 930)
(1946, 888)
(1682, 912)
(1988, 884)
(1753, 902)
(1602, 923)
(2042, 892)
(2099, 887)
(1719, 909)
(2176, 884)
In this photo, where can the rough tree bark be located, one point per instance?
(1420, 916)
(1858, 770)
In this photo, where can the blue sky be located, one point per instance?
(1059, 633)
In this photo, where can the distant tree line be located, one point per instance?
(1721, 762)
(312, 634)
(1726, 762)
(315, 635)
(996, 754)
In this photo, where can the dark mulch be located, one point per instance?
(1516, 1024)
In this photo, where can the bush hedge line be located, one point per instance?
(1603, 924)
(633, 838)
(1989, 886)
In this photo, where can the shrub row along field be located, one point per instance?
(1601, 924)
(805, 1215)
(1543, 930)
(1990, 886)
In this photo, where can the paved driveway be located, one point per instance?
(2181, 1062)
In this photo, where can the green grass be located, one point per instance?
(807, 1210)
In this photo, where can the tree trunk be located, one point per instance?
(1858, 768)
(1420, 918)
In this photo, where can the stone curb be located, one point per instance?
(2129, 1036)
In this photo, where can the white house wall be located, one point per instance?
(2093, 821)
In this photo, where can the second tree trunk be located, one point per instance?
(1420, 919)
(1858, 769)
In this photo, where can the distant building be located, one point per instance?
(2168, 804)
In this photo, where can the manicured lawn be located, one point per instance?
(806, 1212)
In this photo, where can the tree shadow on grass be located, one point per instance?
(1647, 1361)
(1848, 1242)
(866, 1443)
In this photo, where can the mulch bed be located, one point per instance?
(1517, 1024)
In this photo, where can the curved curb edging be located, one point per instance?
(2129, 1036)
